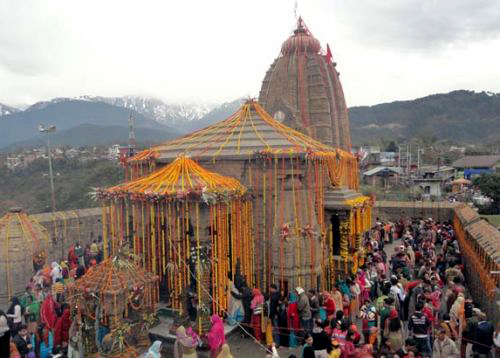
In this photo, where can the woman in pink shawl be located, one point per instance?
(257, 306)
(364, 285)
(184, 346)
(216, 336)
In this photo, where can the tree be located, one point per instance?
(391, 147)
(489, 184)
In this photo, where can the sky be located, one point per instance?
(219, 50)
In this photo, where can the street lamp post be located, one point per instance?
(48, 130)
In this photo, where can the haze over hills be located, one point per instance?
(461, 116)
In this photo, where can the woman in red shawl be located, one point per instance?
(257, 306)
(48, 312)
(61, 331)
(292, 313)
(329, 305)
(72, 258)
(216, 336)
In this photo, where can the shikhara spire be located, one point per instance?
(302, 87)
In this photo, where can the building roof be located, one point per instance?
(380, 169)
(248, 131)
(477, 161)
(461, 181)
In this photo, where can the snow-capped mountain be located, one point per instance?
(157, 109)
(167, 113)
(5, 110)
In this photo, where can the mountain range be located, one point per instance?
(461, 116)
(167, 113)
(5, 110)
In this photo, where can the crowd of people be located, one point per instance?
(410, 303)
(39, 323)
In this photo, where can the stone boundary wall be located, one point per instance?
(394, 210)
(67, 227)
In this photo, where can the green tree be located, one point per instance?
(391, 147)
(489, 184)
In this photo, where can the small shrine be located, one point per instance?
(114, 304)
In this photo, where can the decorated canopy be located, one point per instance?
(115, 276)
(183, 221)
(107, 293)
(180, 179)
(250, 132)
(251, 129)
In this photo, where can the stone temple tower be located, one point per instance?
(302, 89)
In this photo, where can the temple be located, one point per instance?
(268, 195)
(247, 199)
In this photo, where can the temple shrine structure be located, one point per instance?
(268, 195)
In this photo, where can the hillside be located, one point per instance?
(22, 126)
(94, 135)
(29, 187)
(461, 116)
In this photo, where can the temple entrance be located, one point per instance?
(335, 222)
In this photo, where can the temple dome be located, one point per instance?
(302, 41)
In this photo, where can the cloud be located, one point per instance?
(421, 25)
(216, 51)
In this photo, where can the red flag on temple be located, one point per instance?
(328, 53)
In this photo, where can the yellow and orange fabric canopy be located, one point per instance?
(181, 178)
(248, 131)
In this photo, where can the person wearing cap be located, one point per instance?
(444, 347)
(304, 309)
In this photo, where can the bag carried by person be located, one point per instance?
(322, 314)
